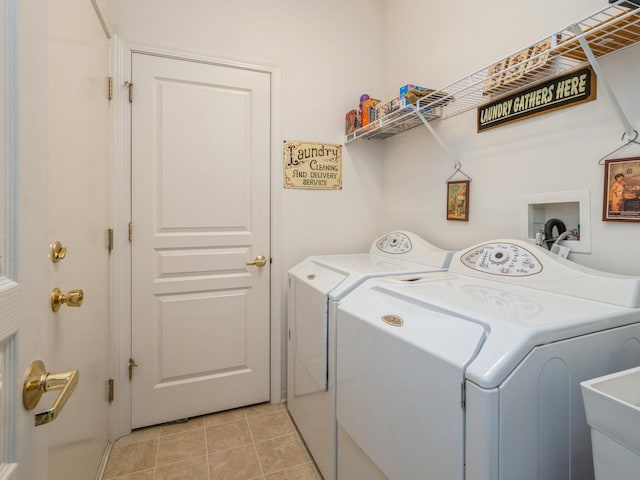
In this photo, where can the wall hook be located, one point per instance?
(631, 140)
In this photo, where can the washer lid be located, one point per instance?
(337, 275)
(515, 318)
(392, 254)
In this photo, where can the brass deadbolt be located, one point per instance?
(58, 252)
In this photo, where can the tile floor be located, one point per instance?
(253, 443)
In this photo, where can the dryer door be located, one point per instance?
(400, 376)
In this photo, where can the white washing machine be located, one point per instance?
(475, 373)
(316, 286)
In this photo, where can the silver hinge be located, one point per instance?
(109, 88)
(130, 86)
(111, 389)
(463, 395)
(130, 232)
(110, 239)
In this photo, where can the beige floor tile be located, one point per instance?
(264, 427)
(179, 427)
(263, 408)
(181, 446)
(224, 417)
(228, 435)
(129, 458)
(236, 464)
(146, 433)
(193, 469)
(181, 449)
(301, 472)
(280, 453)
(145, 475)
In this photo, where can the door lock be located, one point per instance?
(259, 261)
(72, 299)
(38, 381)
(58, 252)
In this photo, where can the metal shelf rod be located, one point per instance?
(437, 137)
(575, 28)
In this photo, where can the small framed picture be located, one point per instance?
(458, 200)
(621, 190)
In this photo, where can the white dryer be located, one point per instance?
(316, 286)
(475, 373)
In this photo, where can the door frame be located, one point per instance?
(121, 300)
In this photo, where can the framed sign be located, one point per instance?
(458, 200)
(621, 190)
(312, 166)
(563, 91)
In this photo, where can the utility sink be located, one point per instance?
(612, 405)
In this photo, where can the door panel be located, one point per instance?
(79, 155)
(23, 322)
(200, 212)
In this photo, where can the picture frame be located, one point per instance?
(621, 196)
(458, 200)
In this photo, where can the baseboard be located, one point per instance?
(105, 459)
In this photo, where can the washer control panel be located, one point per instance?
(395, 242)
(505, 259)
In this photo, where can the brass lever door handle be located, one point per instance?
(259, 261)
(72, 299)
(39, 381)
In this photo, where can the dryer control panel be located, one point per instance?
(518, 262)
(504, 259)
(395, 242)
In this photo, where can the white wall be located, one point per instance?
(331, 51)
(319, 47)
(549, 153)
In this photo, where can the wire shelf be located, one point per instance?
(611, 29)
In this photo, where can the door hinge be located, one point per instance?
(463, 395)
(110, 239)
(130, 86)
(109, 88)
(111, 389)
(132, 363)
(130, 231)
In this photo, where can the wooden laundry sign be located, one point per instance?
(563, 91)
(313, 166)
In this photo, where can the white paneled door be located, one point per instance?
(200, 174)
(79, 208)
(54, 154)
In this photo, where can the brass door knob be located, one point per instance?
(38, 381)
(259, 261)
(72, 299)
